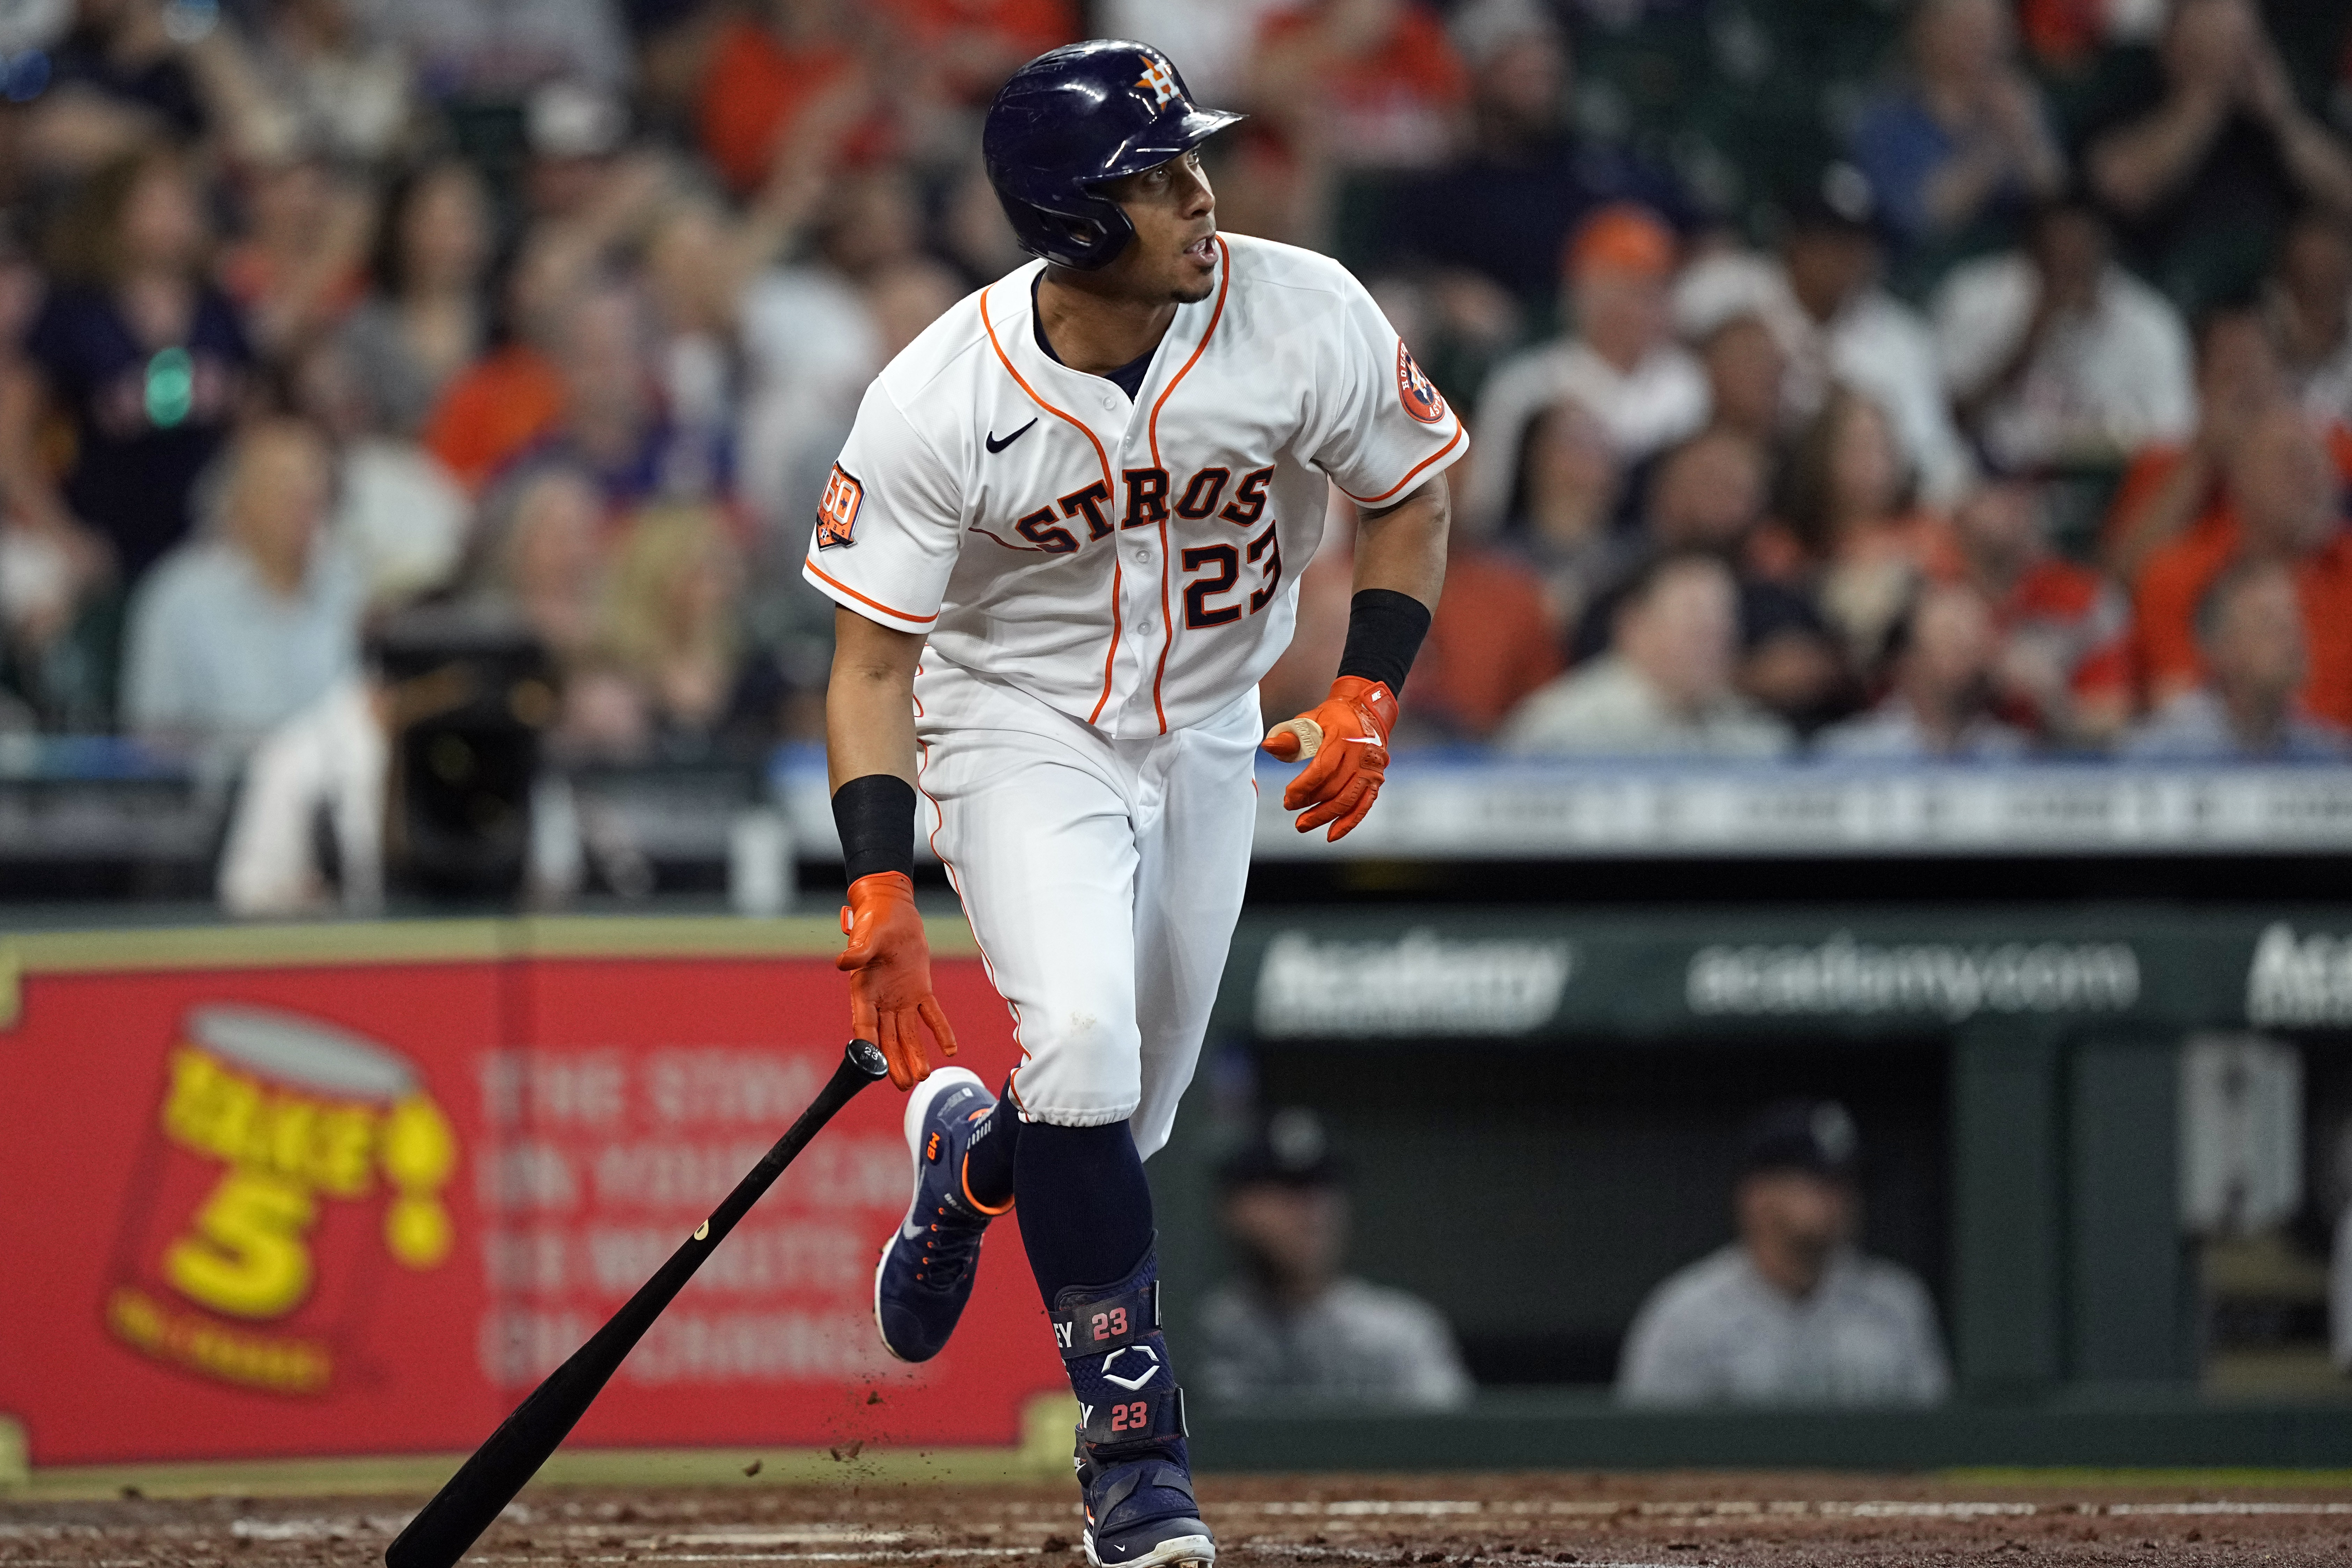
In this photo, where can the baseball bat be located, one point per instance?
(486, 1482)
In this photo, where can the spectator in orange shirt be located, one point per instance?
(967, 47)
(2064, 669)
(2284, 502)
(510, 399)
(1361, 83)
(2171, 489)
(785, 83)
(1490, 643)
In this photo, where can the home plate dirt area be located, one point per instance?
(1267, 1522)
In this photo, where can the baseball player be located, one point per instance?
(1064, 538)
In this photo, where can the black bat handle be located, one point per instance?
(443, 1530)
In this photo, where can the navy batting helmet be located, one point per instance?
(1074, 119)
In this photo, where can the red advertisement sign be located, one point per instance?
(362, 1208)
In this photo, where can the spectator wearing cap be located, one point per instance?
(1621, 361)
(2056, 354)
(1789, 1313)
(1666, 685)
(1823, 301)
(1945, 651)
(2285, 503)
(578, 137)
(1529, 178)
(1293, 1326)
(1966, 135)
(2250, 631)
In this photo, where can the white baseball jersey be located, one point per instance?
(1132, 562)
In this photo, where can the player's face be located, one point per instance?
(1174, 257)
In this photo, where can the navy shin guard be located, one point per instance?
(1132, 1460)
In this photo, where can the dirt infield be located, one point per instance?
(1320, 1521)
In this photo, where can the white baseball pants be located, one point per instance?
(1102, 878)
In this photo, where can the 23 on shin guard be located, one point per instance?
(1132, 1460)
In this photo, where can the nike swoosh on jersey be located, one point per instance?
(995, 446)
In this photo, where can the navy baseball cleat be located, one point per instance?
(1141, 1512)
(924, 1274)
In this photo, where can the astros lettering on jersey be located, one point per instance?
(1132, 564)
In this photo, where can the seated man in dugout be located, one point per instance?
(1790, 1312)
(1293, 1325)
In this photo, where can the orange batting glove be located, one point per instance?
(890, 966)
(1347, 734)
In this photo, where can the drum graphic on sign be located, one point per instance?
(288, 1160)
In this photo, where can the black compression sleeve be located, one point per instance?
(1384, 631)
(876, 815)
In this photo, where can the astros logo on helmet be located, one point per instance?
(1156, 81)
(1071, 122)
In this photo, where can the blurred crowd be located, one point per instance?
(1999, 403)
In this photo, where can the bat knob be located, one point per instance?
(1306, 731)
(867, 1057)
